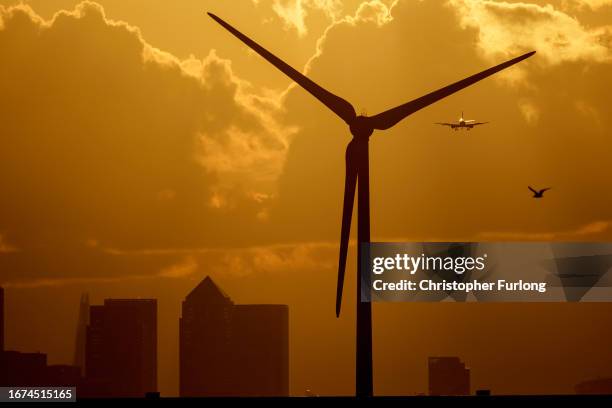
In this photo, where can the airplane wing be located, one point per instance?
(444, 124)
(478, 123)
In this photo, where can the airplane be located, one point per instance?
(466, 124)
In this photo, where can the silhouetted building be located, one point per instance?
(600, 386)
(81, 333)
(22, 369)
(63, 376)
(121, 348)
(1, 319)
(232, 350)
(30, 369)
(448, 376)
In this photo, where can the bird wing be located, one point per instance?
(389, 118)
(545, 189)
(532, 190)
(338, 105)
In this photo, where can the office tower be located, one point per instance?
(121, 348)
(1, 319)
(232, 350)
(81, 329)
(448, 376)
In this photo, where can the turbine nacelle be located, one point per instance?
(361, 127)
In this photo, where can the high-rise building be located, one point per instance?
(121, 348)
(232, 350)
(80, 335)
(1, 319)
(448, 376)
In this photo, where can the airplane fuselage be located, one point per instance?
(463, 124)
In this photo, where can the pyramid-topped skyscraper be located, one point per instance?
(232, 350)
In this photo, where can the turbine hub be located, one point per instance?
(361, 128)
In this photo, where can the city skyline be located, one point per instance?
(226, 349)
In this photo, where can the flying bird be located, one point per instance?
(357, 174)
(538, 193)
(462, 123)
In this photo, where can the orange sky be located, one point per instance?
(142, 147)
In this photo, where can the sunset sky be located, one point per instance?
(142, 147)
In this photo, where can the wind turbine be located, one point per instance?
(357, 171)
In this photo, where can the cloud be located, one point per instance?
(138, 150)
(185, 268)
(106, 137)
(60, 282)
(181, 263)
(277, 259)
(5, 247)
(506, 28)
(293, 13)
(223, 110)
(590, 230)
(169, 153)
(372, 11)
(593, 4)
(550, 128)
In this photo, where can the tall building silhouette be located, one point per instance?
(121, 348)
(232, 350)
(448, 376)
(81, 333)
(1, 319)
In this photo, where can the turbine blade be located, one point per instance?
(389, 118)
(338, 105)
(350, 182)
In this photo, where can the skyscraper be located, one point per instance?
(448, 376)
(80, 336)
(121, 348)
(232, 350)
(1, 319)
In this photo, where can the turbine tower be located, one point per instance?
(358, 173)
